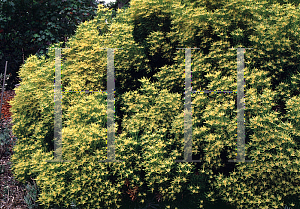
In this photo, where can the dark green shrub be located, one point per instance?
(28, 27)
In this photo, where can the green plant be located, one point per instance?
(6, 141)
(149, 95)
(31, 196)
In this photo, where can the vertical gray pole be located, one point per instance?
(110, 107)
(240, 108)
(57, 111)
(188, 123)
(188, 130)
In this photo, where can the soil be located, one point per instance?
(12, 192)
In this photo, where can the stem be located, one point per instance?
(3, 92)
(23, 57)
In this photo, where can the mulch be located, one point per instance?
(17, 191)
(5, 111)
(6, 118)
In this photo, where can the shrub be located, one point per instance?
(149, 108)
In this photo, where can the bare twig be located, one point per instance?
(23, 55)
(3, 92)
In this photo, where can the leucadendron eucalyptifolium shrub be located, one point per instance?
(150, 76)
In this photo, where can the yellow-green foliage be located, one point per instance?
(149, 74)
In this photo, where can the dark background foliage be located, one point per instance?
(29, 27)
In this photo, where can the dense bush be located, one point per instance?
(149, 100)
